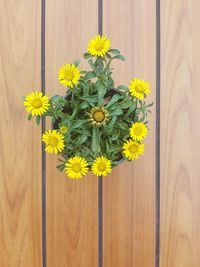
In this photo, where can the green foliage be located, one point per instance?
(38, 119)
(96, 89)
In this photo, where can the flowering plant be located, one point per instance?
(96, 125)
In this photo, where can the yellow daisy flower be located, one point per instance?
(63, 129)
(139, 88)
(69, 75)
(101, 166)
(36, 103)
(133, 149)
(98, 116)
(76, 167)
(54, 141)
(138, 131)
(98, 46)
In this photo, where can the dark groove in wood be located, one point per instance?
(157, 252)
(100, 178)
(100, 221)
(100, 17)
(43, 4)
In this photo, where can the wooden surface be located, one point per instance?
(129, 193)
(71, 205)
(180, 131)
(20, 167)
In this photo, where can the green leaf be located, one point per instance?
(131, 109)
(122, 125)
(75, 107)
(90, 75)
(61, 167)
(95, 140)
(120, 57)
(76, 124)
(99, 63)
(122, 88)
(113, 100)
(91, 63)
(83, 71)
(111, 124)
(101, 89)
(30, 117)
(89, 98)
(115, 136)
(126, 104)
(107, 146)
(82, 139)
(87, 55)
(58, 101)
(77, 62)
(38, 119)
(110, 82)
(116, 163)
(114, 51)
(55, 98)
(53, 120)
(84, 105)
(116, 112)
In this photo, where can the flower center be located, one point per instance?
(99, 46)
(53, 141)
(102, 166)
(37, 103)
(99, 116)
(133, 149)
(69, 75)
(138, 131)
(139, 89)
(76, 167)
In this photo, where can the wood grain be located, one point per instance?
(20, 175)
(71, 205)
(180, 131)
(129, 193)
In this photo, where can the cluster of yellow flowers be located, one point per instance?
(133, 148)
(37, 104)
(77, 166)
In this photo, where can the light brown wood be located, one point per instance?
(20, 167)
(71, 205)
(129, 193)
(180, 131)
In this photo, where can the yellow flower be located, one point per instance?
(139, 88)
(99, 46)
(98, 116)
(76, 167)
(54, 141)
(63, 129)
(133, 149)
(36, 103)
(101, 166)
(138, 131)
(69, 75)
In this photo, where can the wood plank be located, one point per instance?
(20, 168)
(71, 205)
(180, 131)
(129, 193)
